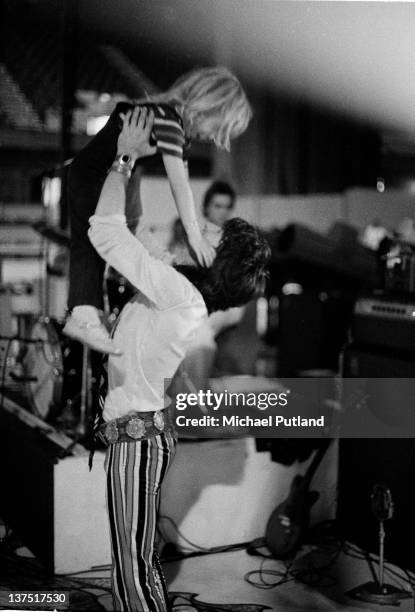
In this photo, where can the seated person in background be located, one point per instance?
(218, 204)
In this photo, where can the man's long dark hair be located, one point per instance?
(239, 271)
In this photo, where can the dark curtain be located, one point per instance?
(292, 147)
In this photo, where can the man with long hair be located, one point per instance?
(154, 330)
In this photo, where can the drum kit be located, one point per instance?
(54, 374)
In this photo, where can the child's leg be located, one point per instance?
(85, 180)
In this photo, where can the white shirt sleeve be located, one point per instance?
(158, 281)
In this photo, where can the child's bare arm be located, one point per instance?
(183, 197)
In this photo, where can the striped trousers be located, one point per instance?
(135, 471)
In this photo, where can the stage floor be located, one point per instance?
(216, 583)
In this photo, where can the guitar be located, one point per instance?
(290, 520)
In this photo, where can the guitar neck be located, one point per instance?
(317, 459)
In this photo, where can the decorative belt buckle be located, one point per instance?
(111, 432)
(158, 420)
(135, 428)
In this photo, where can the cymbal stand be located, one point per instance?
(44, 293)
(85, 391)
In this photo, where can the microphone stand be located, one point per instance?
(380, 592)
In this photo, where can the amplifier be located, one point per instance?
(391, 402)
(385, 322)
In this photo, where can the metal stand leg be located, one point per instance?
(381, 553)
(82, 425)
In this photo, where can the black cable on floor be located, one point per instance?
(179, 533)
(261, 573)
(314, 575)
(198, 550)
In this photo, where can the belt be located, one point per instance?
(136, 426)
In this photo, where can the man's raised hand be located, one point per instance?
(134, 139)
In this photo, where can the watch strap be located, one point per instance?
(123, 164)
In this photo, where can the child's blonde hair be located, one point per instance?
(211, 92)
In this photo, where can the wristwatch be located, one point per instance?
(123, 164)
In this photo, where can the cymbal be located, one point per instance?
(56, 235)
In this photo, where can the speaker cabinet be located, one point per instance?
(312, 330)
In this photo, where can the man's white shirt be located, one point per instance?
(154, 329)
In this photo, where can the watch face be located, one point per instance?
(125, 159)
